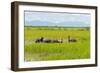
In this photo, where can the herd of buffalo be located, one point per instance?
(44, 40)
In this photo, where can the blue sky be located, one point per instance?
(36, 18)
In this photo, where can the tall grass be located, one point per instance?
(56, 51)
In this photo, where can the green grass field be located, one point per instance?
(56, 51)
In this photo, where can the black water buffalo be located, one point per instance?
(71, 39)
(43, 40)
(52, 41)
(39, 40)
(47, 41)
(58, 41)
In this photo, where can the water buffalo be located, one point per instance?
(71, 39)
(57, 41)
(39, 40)
(43, 40)
(47, 41)
(52, 41)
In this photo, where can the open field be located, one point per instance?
(56, 51)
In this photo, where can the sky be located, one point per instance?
(65, 19)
